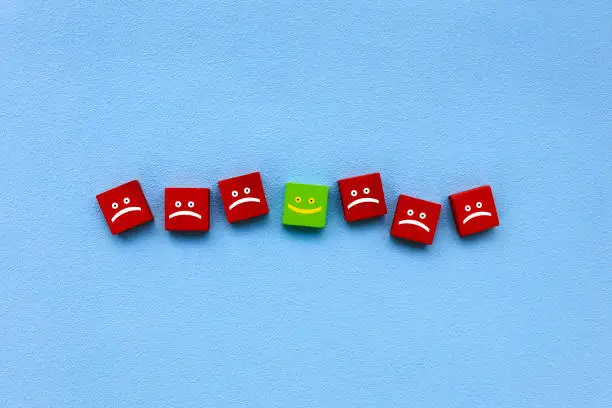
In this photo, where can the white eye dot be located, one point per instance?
(422, 216)
(115, 206)
(247, 190)
(366, 191)
(190, 204)
(126, 200)
(479, 205)
(410, 212)
(177, 204)
(234, 193)
(354, 193)
(468, 208)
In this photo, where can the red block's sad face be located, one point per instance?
(415, 219)
(246, 198)
(243, 197)
(474, 210)
(124, 207)
(362, 197)
(411, 220)
(187, 209)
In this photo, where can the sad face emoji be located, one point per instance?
(362, 197)
(124, 207)
(474, 210)
(187, 209)
(415, 219)
(243, 197)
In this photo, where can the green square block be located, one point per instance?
(305, 205)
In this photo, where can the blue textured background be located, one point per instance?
(437, 98)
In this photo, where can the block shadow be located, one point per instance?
(135, 232)
(189, 236)
(377, 222)
(411, 245)
(303, 232)
(475, 239)
(250, 223)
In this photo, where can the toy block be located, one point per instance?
(243, 197)
(362, 197)
(124, 207)
(415, 219)
(474, 210)
(187, 209)
(305, 205)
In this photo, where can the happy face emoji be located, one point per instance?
(124, 207)
(415, 219)
(474, 210)
(187, 209)
(243, 197)
(362, 197)
(305, 205)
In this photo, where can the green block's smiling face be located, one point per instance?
(305, 205)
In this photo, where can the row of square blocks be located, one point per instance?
(305, 205)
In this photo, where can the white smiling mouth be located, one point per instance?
(189, 213)
(476, 214)
(414, 222)
(361, 201)
(125, 211)
(244, 200)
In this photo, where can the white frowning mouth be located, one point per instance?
(244, 200)
(125, 211)
(361, 201)
(477, 214)
(414, 222)
(188, 213)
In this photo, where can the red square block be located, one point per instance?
(474, 210)
(124, 207)
(187, 209)
(243, 197)
(415, 219)
(362, 197)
